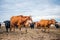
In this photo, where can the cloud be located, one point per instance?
(37, 8)
(38, 18)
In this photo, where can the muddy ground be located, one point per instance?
(32, 34)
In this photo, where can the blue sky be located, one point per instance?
(38, 9)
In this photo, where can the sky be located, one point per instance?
(38, 9)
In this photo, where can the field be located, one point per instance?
(32, 34)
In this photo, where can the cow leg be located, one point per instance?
(19, 28)
(6, 28)
(48, 29)
(26, 29)
(45, 29)
(0, 27)
(12, 28)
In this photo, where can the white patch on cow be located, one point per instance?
(28, 22)
(52, 26)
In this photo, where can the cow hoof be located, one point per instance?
(7, 31)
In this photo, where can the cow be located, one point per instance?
(37, 25)
(19, 21)
(7, 25)
(0, 25)
(32, 25)
(57, 25)
(45, 24)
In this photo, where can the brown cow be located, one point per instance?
(45, 24)
(36, 25)
(19, 21)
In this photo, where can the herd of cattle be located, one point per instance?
(26, 21)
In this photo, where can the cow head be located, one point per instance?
(36, 24)
(52, 21)
(28, 21)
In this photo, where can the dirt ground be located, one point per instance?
(32, 34)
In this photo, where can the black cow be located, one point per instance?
(0, 25)
(32, 25)
(7, 25)
(57, 25)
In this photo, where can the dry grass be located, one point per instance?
(32, 34)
